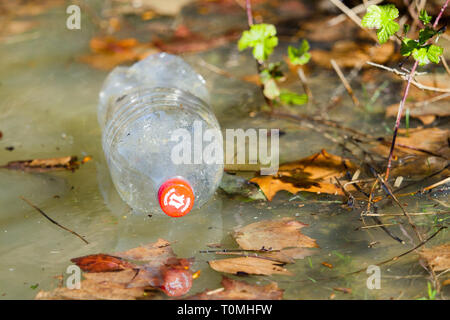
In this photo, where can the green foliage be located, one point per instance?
(406, 28)
(424, 17)
(292, 98)
(382, 19)
(407, 47)
(268, 77)
(425, 34)
(262, 38)
(300, 55)
(427, 53)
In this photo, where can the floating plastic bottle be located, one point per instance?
(140, 109)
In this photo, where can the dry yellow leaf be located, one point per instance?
(315, 173)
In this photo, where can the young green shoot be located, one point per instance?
(423, 50)
(262, 39)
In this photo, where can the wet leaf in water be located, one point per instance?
(92, 290)
(156, 253)
(438, 258)
(113, 277)
(249, 265)
(428, 141)
(240, 290)
(101, 263)
(43, 165)
(273, 235)
(315, 173)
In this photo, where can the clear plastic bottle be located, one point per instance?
(139, 109)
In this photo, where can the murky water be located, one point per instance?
(48, 109)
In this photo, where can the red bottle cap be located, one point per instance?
(176, 197)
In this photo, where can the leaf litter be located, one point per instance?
(274, 242)
(315, 173)
(117, 277)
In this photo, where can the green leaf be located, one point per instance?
(421, 56)
(292, 98)
(407, 47)
(424, 17)
(406, 28)
(427, 53)
(434, 52)
(425, 34)
(388, 29)
(382, 19)
(299, 56)
(262, 38)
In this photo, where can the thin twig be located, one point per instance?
(401, 214)
(51, 220)
(405, 95)
(405, 76)
(378, 225)
(352, 17)
(259, 66)
(444, 62)
(399, 117)
(345, 82)
(305, 85)
(357, 9)
(391, 194)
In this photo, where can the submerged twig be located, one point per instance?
(51, 220)
(391, 194)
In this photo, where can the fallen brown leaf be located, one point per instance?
(438, 258)
(249, 265)
(109, 52)
(240, 290)
(315, 173)
(349, 54)
(420, 102)
(273, 235)
(194, 43)
(101, 263)
(428, 141)
(112, 277)
(92, 290)
(43, 165)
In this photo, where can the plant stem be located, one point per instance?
(259, 66)
(405, 94)
(399, 117)
(248, 5)
(440, 13)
